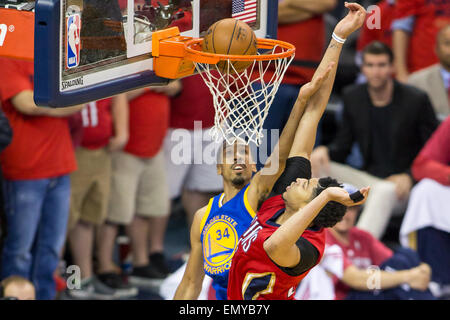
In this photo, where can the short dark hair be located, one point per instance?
(378, 47)
(333, 211)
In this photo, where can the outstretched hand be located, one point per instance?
(313, 86)
(352, 21)
(342, 196)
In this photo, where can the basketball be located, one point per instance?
(230, 36)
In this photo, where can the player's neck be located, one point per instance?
(381, 96)
(229, 190)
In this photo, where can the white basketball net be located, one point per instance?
(242, 100)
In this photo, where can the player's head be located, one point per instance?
(17, 287)
(377, 64)
(302, 191)
(443, 46)
(235, 163)
(349, 219)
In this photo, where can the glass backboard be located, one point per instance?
(86, 50)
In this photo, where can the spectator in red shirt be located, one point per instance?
(426, 225)
(36, 167)
(139, 191)
(433, 161)
(371, 270)
(415, 26)
(104, 129)
(371, 32)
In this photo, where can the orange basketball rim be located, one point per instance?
(241, 98)
(16, 34)
(174, 55)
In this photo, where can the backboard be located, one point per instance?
(86, 50)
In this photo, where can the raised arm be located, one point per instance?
(264, 180)
(316, 93)
(120, 115)
(281, 245)
(305, 135)
(400, 45)
(191, 284)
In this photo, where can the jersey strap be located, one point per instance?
(206, 214)
(247, 204)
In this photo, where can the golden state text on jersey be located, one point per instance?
(220, 230)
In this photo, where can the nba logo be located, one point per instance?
(73, 41)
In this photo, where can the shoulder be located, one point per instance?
(200, 217)
(411, 96)
(423, 74)
(445, 125)
(316, 237)
(329, 237)
(272, 204)
(409, 90)
(354, 90)
(362, 235)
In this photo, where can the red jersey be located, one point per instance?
(97, 124)
(433, 160)
(362, 251)
(194, 103)
(41, 147)
(309, 38)
(253, 275)
(429, 17)
(371, 32)
(149, 120)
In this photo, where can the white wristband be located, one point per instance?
(337, 38)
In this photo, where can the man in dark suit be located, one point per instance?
(435, 80)
(389, 122)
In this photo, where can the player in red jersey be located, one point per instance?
(286, 239)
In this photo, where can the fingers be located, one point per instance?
(352, 6)
(365, 193)
(356, 10)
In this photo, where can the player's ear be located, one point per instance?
(254, 167)
(219, 169)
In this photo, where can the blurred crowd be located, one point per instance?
(77, 180)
